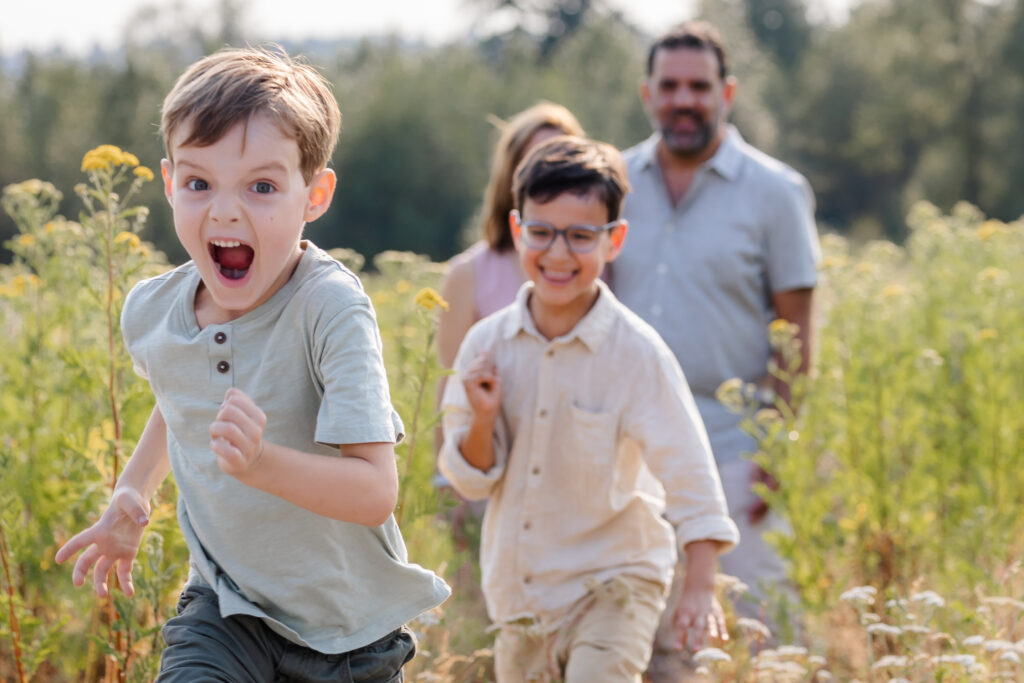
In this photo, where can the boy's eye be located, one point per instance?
(582, 237)
(197, 184)
(262, 187)
(539, 233)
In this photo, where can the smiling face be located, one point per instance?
(687, 101)
(240, 205)
(565, 282)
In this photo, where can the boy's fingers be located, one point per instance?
(124, 576)
(72, 546)
(99, 576)
(85, 560)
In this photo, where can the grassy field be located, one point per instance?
(901, 471)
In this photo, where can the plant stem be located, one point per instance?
(15, 630)
(424, 368)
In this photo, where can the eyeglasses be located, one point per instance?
(579, 238)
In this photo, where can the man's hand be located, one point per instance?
(698, 616)
(236, 435)
(483, 386)
(114, 538)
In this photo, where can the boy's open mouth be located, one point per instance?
(232, 257)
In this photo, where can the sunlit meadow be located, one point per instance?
(901, 477)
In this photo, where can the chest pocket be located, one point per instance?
(592, 444)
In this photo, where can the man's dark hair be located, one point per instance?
(575, 165)
(696, 35)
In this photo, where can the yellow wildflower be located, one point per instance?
(103, 157)
(781, 332)
(893, 291)
(50, 228)
(993, 274)
(26, 240)
(402, 286)
(129, 159)
(144, 173)
(987, 333)
(130, 237)
(990, 228)
(429, 299)
(864, 267)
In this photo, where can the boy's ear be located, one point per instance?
(166, 172)
(321, 192)
(617, 238)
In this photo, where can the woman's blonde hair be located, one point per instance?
(510, 150)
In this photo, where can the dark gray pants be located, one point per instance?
(203, 646)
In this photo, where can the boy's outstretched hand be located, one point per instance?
(698, 616)
(483, 386)
(114, 538)
(236, 435)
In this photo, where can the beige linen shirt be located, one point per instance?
(595, 427)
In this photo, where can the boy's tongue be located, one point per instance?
(234, 261)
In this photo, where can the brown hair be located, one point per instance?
(696, 35)
(575, 165)
(511, 147)
(233, 85)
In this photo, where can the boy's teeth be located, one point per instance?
(225, 243)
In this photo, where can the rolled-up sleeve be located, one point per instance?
(664, 419)
(470, 482)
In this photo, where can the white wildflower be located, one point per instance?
(816, 660)
(916, 629)
(890, 662)
(869, 618)
(884, 629)
(859, 595)
(965, 661)
(792, 651)
(711, 654)
(998, 645)
(929, 599)
(896, 602)
(753, 626)
(974, 641)
(1010, 656)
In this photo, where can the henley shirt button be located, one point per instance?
(527, 525)
(220, 337)
(550, 353)
(527, 579)
(223, 367)
(543, 412)
(535, 470)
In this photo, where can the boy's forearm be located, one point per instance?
(701, 561)
(359, 486)
(478, 445)
(149, 465)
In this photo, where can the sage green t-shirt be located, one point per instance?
(310, 358)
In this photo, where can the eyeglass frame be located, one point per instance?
(563, 232)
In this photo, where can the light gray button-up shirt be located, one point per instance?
(702, 273)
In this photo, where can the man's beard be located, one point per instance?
(691, 143)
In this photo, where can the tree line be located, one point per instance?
(902, 101)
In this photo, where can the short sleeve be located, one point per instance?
(356, 404)
(793, 252)
(469, 481)
(130, 331)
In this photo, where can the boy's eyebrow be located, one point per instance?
(269, 166)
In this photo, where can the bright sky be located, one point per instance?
(78, 25)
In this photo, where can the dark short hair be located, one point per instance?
(575, 165)
(696, 35)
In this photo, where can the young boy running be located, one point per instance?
(272, 404)
(574, 418)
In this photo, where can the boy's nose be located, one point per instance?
(225, 209)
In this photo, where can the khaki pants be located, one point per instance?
(605, 636)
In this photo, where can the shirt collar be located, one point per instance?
(591, 330)
(726, 161)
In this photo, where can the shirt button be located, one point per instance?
(220, 337)
(550, 352)
(223, 366)
(535, 470)
(527, 579)
(662, 269)
(655, 309)
(543, 412)
(527, 525)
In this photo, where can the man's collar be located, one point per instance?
(592, 329)
(726, 161)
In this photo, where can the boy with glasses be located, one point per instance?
(574, 418)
